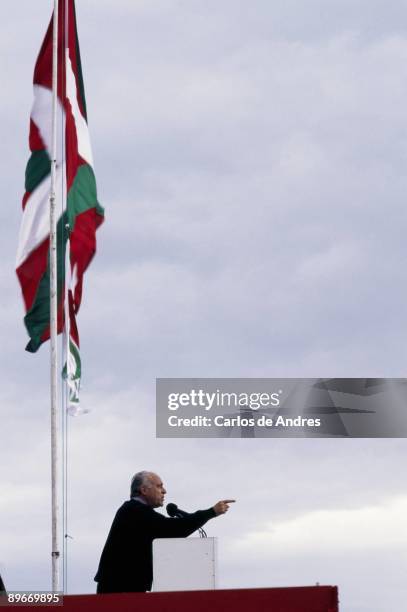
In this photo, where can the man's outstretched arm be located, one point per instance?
(182, 527)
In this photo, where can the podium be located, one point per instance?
(184, 564)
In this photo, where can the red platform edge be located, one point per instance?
(287, 599)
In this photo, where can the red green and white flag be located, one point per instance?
(80, 212)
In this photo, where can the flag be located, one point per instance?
(81, 213)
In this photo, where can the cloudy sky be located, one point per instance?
(251, 158)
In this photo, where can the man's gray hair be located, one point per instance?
(138, 480)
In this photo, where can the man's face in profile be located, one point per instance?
(153, 491)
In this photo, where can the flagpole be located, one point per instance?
(54, 312)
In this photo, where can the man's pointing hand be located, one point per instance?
(222, 506)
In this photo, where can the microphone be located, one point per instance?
(174, 511)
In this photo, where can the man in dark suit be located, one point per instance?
(126, 564)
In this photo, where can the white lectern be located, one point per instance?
(184, 564)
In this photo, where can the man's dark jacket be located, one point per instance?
(126, 564)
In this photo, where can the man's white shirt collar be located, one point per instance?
(139, 499)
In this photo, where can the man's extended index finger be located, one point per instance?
(229, 501)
